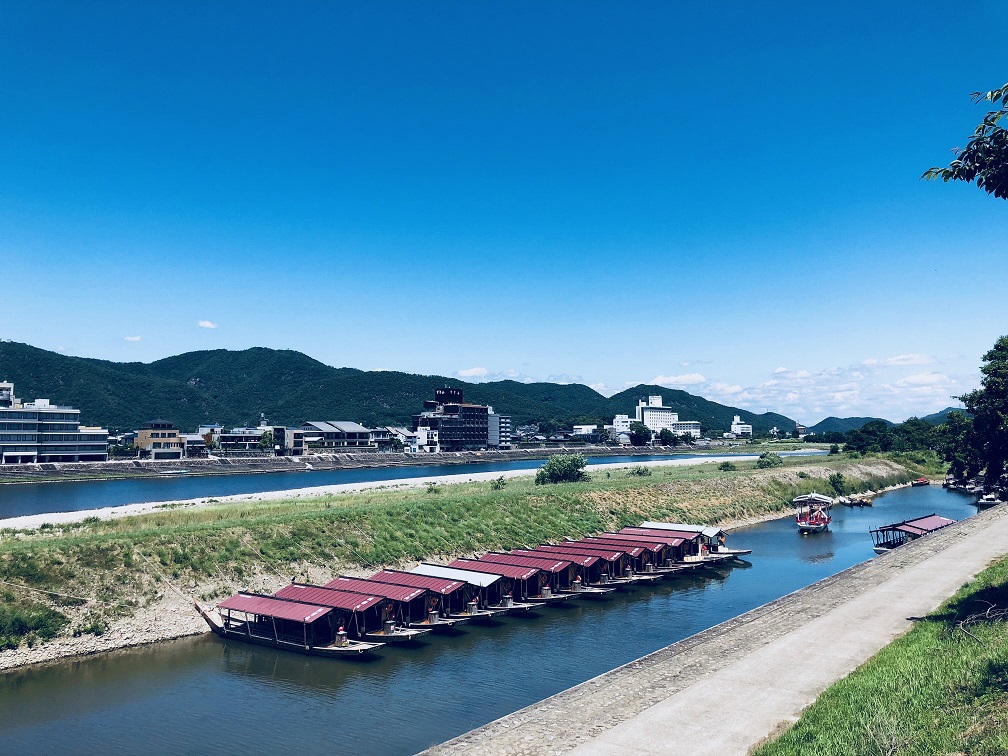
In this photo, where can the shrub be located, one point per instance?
(17, 623)
(562, 468)
(640, 471)
(727, 467)
(769, 459)
(498, 484)
(432, 487)
(802, 474)
(834, 449)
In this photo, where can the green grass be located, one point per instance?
(106, 568)
(940, 689)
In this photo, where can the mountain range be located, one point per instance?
(288, 387)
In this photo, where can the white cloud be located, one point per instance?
(132, 338)
(511, 373)
(473, 372)
(206, 324)
(903, 359)
(686, 379)
(925, 379)
(780, 370)
(725, 389)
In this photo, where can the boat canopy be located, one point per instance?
(812, 499)
(601, 550)
(385, 590)
(651, 544)
(624, 547)
(443, 586)
(709, 532)
(543, 562)
(480, 579)
(920, 526)
(315, 594)
(504, 570)
(265, 606)
(670, 537)
(581, 560)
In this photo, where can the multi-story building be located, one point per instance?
(42, 432)
(498, 430)
(339, 435)
(738, 428)
(460, 426)
(159, 439)
(657, 417)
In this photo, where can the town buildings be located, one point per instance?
(337, 435)
(159, 439)
(460, 426)
(741, 429)
(657, 417)
(42, 432)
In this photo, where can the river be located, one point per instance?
(203, 694)
(19, 499)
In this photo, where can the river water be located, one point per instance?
(21, 499)
(203, 694)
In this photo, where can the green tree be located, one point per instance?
(640, 434)
(667, 437)
(985, 158)
(989, 407)
(836, 480)
(266, 442)
(956, 443)
(562, 468)
(769, 459)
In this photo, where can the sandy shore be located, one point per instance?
(30, 522)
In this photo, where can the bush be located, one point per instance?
(834, 449)
(17, 623)
(836, 480)
(727, 467)
(640, 471)
(498, 484)
(562, 468)
(432, 487)
(769, 459)
(802, 474)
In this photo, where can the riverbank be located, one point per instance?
(747, 666)
(112, 583)
(129, 469)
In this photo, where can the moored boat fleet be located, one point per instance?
(354, 617)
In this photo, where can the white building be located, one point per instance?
(585, 430)
(498, 430)
(738, 428)
(656, 417)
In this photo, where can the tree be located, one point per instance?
(266, 442)
(603, 436)
(989, 407)
(562, 468)
(769, 459)
(985, 159)
(667, 437)
(640, 434)
(956, 443)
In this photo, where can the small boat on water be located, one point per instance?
(986, 501)
(889, 537)
(920, 482)
(174, 472)
(813, 512)
(291, 625)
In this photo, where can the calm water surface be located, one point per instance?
(21, 499)
(203, 694)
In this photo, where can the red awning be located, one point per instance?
(385, 590)
(923, 525)
(626, 548)
(504, 570)
(543, 562)
(435, 584)
(315, 594)
(682, 535)
(651, 544)
(601, 550)
(581, 560)
(264, 606)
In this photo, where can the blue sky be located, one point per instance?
(722, 198)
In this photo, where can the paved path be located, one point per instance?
(724, 690)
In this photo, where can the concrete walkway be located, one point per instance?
(726, 689)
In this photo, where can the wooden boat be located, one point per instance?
(813, 512)
(889, 537)
(393, 633)
(987, 501)
(266, 621)
(920, 482)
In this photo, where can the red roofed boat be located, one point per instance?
(888, 537)
(292, 625)
(813, 512)
(921, 482)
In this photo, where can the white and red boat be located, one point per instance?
(813, 512)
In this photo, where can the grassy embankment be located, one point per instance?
(940, 689)
(78, 578)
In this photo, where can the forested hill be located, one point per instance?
(843, 424)
(233, 388)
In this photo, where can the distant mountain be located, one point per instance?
(844, 424)
(940, 417)
(233, 388)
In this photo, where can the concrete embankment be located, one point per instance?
(145, 468)
(726, 689)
